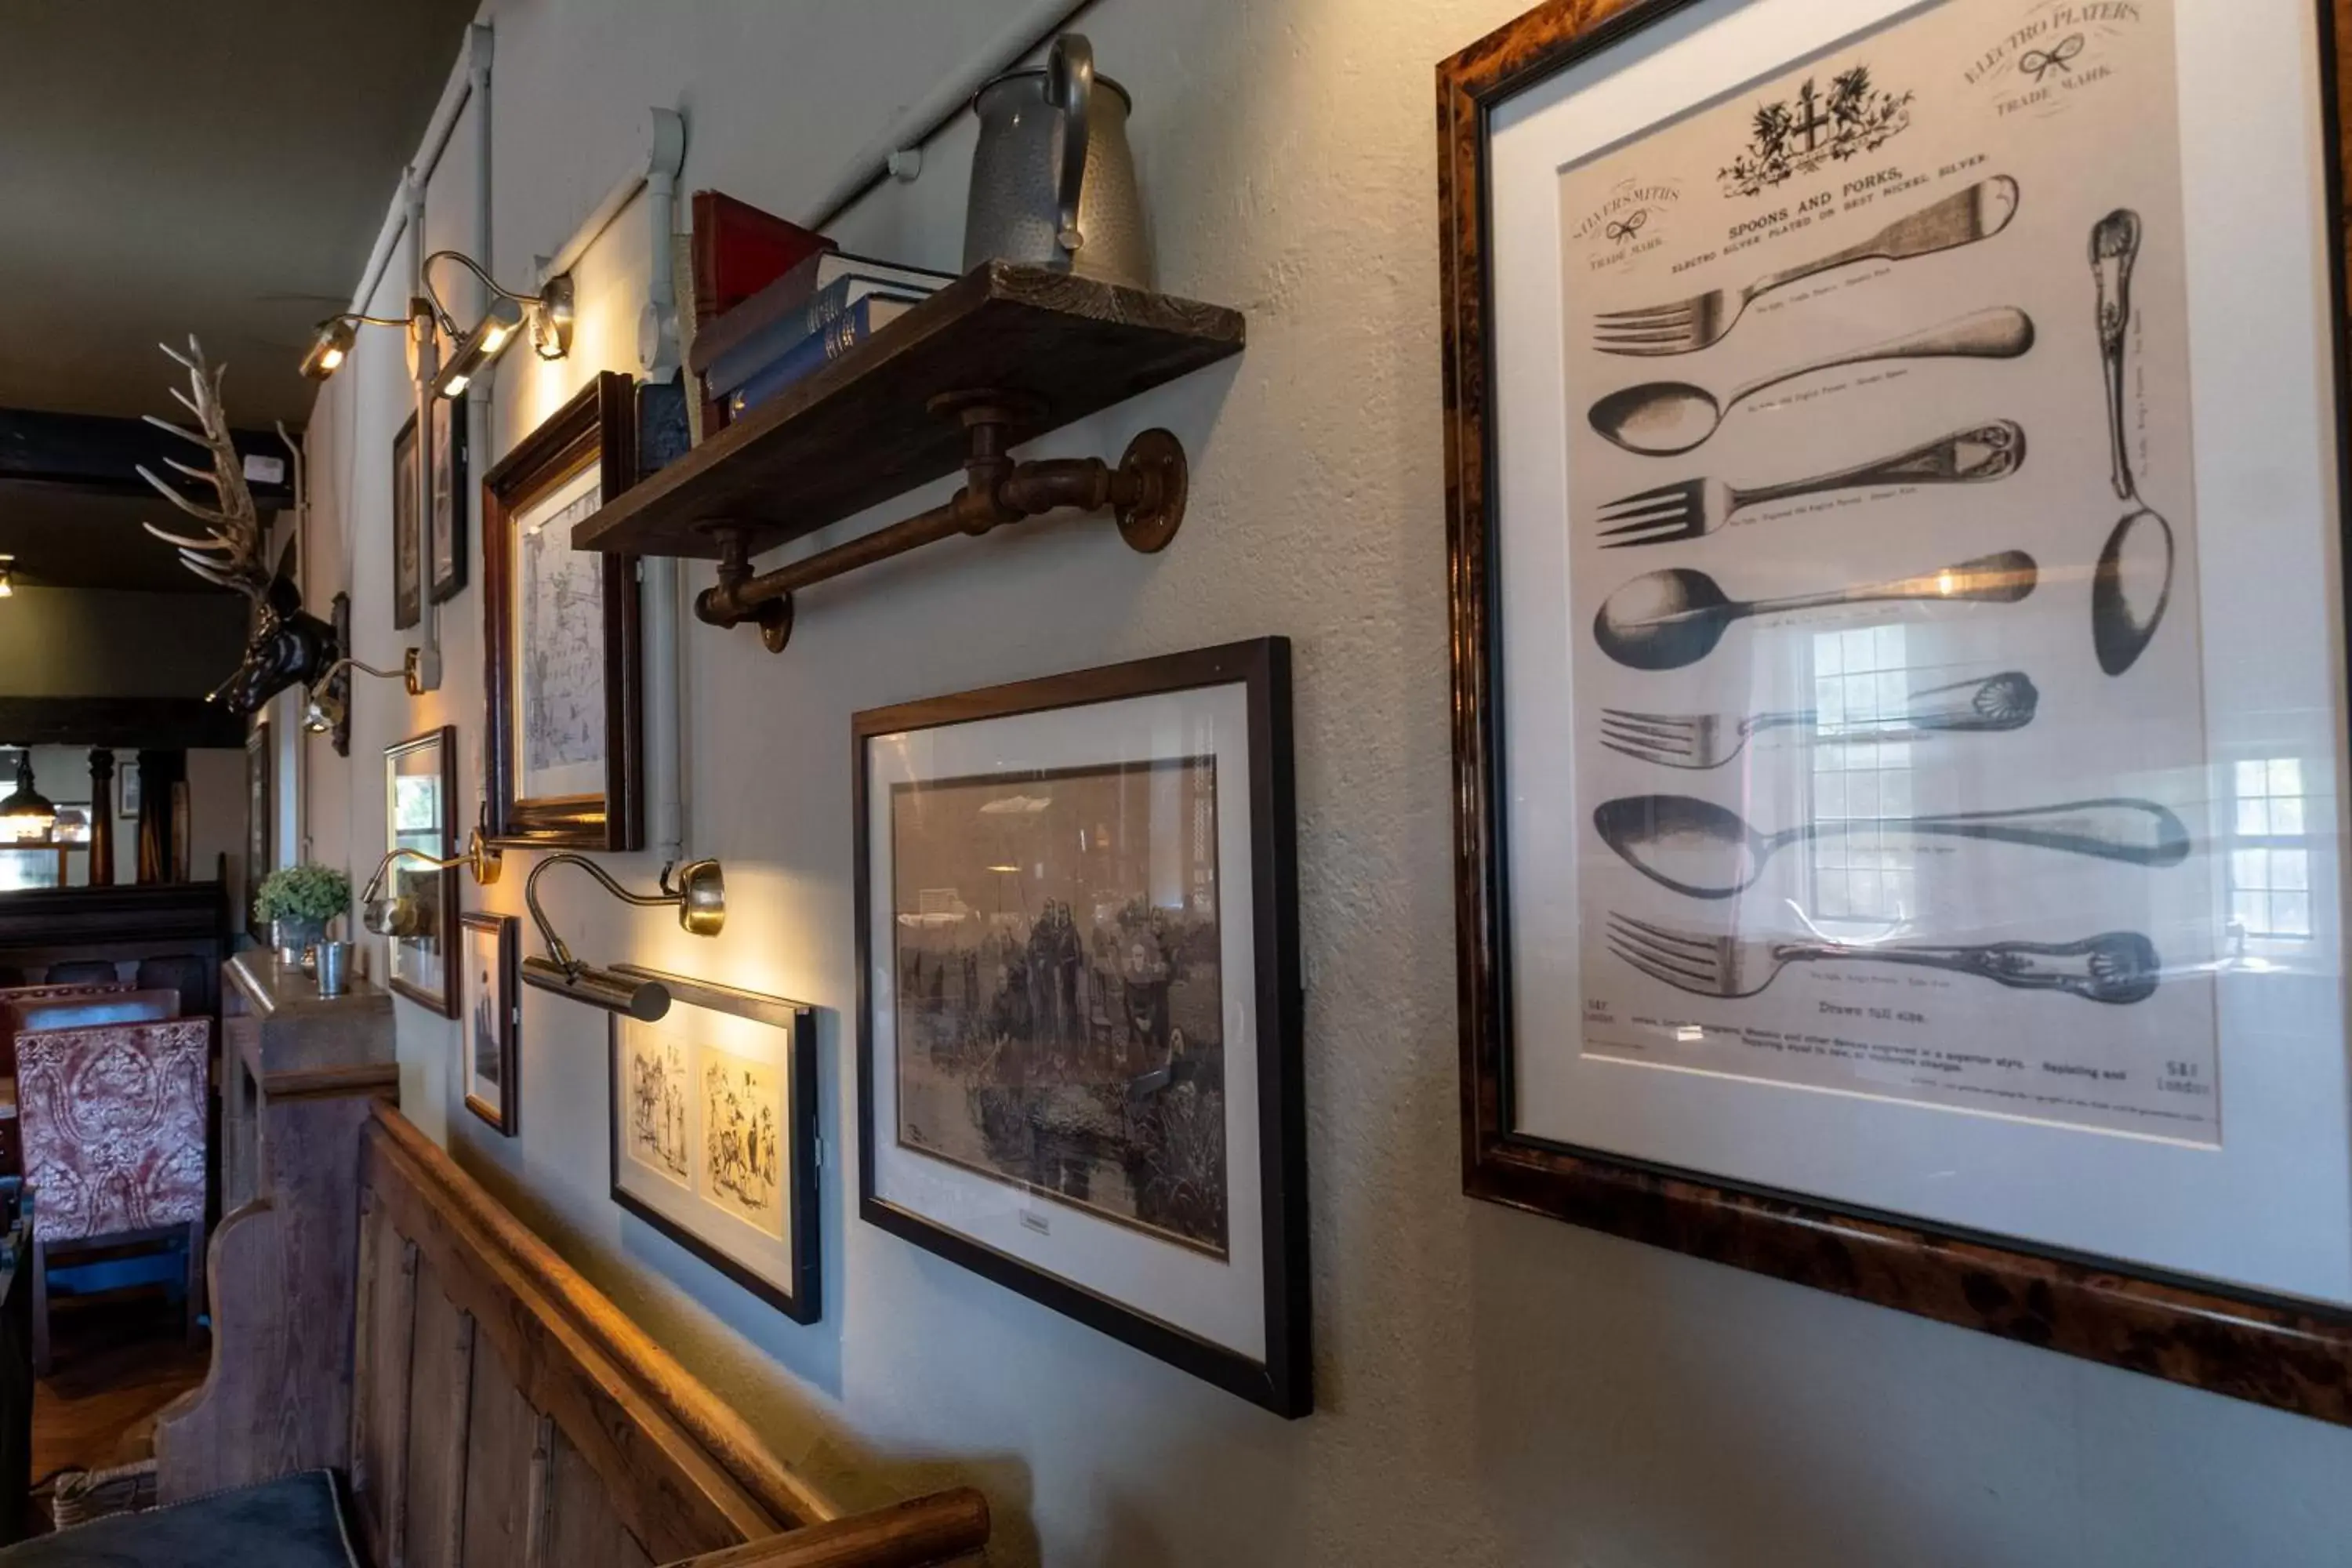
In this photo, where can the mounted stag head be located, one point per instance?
(283, 645)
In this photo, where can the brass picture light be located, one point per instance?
(700, 895)
(397, 914)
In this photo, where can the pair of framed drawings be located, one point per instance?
(714, 1137)
(1896, 465)
(428, 508)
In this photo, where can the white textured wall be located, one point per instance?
(1495, 1389)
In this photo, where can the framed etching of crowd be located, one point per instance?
(1897, 685)
(564, 741)
(1078, 1045)
(714, 1137)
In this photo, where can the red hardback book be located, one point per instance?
(737, 250)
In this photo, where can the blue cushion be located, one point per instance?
(294, 1522)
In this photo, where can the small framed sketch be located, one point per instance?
(714, 1135)
(1897, 472)
(444, 530)
(564, 743)
(407, 526)
(260, 822)
(1078, 1042)
(489, 947)
(420, 788)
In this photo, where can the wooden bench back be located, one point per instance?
(506, 1415)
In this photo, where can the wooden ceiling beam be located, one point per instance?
(124, 724)
(98, 455)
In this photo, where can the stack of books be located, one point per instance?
(818, 303)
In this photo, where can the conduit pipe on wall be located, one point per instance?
(478, 42)
(460, 87)
(1033, 25)
(656, 174)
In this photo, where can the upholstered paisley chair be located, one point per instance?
(112, 1120)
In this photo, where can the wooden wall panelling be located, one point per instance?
(440, 1385)
(583, 1531)
(670, 1493)
(499, 1495)
(767, 1488)
(379, 1412)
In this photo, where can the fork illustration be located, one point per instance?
(1702, 740)
(1695, 508)
(2116, 966)
(1685, 326)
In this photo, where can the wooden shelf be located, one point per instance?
(859, 431)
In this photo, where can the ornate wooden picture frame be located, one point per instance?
(564, 739)
(714, 1139)
(2290, 1348)
(1063, 887)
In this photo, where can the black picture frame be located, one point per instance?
(499, 1006)
(597, 428)
(1283, 1382)
(339, 684)
(444, 501)
(261, 822)
(407, 525)
(443, 744)
(2288, 1353)
(802, 1300)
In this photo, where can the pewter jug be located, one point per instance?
(1053, 181)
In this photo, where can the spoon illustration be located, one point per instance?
(1663, 417)
(1706, 851)
(1665, 620)
(2133, 582)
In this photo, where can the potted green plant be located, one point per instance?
(300, 902)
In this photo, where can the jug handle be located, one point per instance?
(1070, 85)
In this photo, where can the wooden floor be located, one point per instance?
(118, 1361)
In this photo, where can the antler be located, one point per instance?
(229, 554)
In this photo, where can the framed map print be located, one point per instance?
(714, 1134)
(489, 949)
(420, 786)
(1078, 1054)
(1897, 462)
(565, 739)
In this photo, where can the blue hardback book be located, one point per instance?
(747, 359)
(845, 333)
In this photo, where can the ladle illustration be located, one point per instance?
(1706, 851)
(1663, 417)
(1666, 620)
(2132, 582)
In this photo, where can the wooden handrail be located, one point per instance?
(729, 1439)
(930, 1529)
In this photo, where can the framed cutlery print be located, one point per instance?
(1896, 456)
